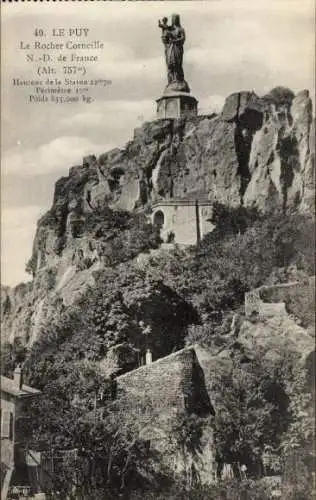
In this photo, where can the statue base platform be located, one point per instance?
(176, 105)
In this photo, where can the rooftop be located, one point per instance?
(9, 386)
(188, 349)
(194, 200)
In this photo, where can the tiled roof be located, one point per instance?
(9, 386)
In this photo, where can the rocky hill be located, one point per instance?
(225, 321)
(258, 152)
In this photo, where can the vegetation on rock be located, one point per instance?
(184, 296)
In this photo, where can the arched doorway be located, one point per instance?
(159, 219)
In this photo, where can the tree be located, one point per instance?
(126, 298)
(75, 413)
(188, 434)
(298, 443)
(254, 413)
(12, 355)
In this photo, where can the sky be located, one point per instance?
(231, 45)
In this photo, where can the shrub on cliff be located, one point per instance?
(222, 271)
(125, 305)
(298, 443)
(12, 355)
(279, 96)
(230, 221)
(121, 235)
(254, 413)
(126, 298)
(245, 250)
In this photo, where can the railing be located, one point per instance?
(200, 112)
(207, 111)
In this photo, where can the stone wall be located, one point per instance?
(175, 381)
(7, 443)
(296, 298)
(252, 302)
(158, 395)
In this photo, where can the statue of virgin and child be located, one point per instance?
(173, 38)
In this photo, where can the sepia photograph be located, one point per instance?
(158, 250)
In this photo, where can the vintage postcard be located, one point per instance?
(157, 250)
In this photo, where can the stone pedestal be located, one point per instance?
(176, 105)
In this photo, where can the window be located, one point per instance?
(6, 424)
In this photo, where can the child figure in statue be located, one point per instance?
(163, 24)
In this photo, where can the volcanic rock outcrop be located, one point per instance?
(259, 152)
(255, 153)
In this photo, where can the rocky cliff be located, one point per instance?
(258, 152)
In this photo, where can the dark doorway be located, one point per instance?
(159, 219)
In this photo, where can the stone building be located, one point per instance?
(13, 395)
(160, 396)
(182, 221)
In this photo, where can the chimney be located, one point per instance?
(149, 357)
(18, 377)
